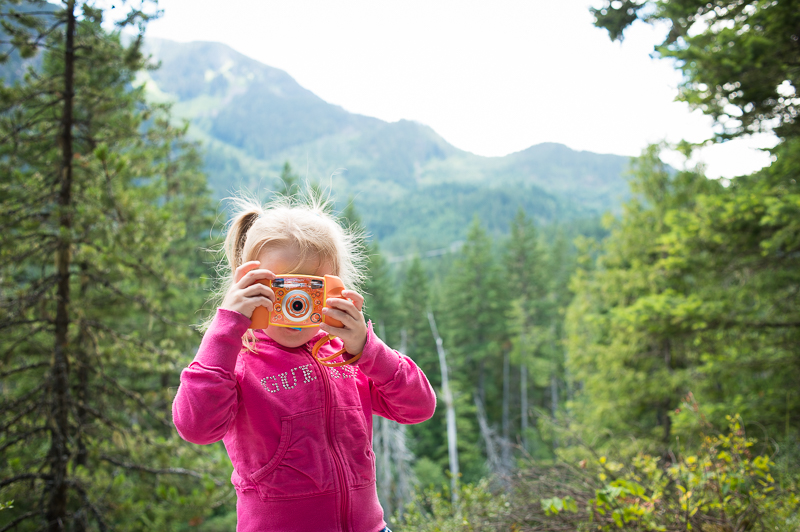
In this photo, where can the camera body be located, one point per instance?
(299, 300)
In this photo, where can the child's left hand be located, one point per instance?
(347, 311)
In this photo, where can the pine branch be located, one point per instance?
(110, 423)
(18, 520)
(24, 476)
(7, 324)
(23, 368)
(130, 394)
(47, 245)
(19, 415)
(102, 280)
(22, 437)
(168, 471)
(35, 294)
(85, 496)
(10, 350)
(125, 337)
(8, 406)
(14, 214)
(32, 121)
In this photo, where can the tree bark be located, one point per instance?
(506, 444)
(523, 392)
(452, 442)
(56, 511)
(554, 403)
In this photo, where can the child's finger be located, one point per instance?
(336, 314)
(343, 304)
(330, 329)
(355, 297)
(262, 302)
(253, 276)
(259, 290)
(243, 269)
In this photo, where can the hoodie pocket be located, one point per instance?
(354, 445)
(301, 466)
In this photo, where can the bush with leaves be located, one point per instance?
(476, 509)
(725, 486)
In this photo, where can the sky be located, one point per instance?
(491, 78)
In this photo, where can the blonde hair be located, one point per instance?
(303, 222)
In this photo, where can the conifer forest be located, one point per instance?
(637, 369)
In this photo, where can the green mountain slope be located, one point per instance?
(414, 190)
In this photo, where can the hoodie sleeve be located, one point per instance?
(208, 397)
(399, 389)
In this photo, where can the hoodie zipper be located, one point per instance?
(329, 434)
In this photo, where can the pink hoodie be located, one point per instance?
(298, 434)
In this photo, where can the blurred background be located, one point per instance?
(593, 205)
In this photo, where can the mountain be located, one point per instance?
(414, 190)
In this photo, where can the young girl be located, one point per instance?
(297, 432)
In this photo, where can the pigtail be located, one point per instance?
(237, 236)
(249, 210)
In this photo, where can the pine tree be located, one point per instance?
(476, 306)
(473, 311)
(104, 211)
(525, 265)
(381, 297)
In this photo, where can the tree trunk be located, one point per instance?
(60, 400)
(506, 443)
(554, 403)
(523, 392)
(452, 443)
(495, 465)
(385, 482)
(523, 381)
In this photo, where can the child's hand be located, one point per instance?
(247, 293)
(348, 311)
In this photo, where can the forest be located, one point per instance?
(639, 372)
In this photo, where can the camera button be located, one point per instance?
(277, 308)
(316, 318)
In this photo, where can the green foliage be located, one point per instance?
(739, 58)
(101, 273)
(477, 509)
(722, 487)
(693, 291)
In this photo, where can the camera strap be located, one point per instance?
(326, 361)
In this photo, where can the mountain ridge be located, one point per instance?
(252, 118)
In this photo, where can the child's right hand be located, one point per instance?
(246, 293)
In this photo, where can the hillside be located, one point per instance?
(414, 190)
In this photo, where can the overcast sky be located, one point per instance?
(490, 77)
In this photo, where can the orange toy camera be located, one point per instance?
(299, 300)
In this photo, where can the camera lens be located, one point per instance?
(297, 306)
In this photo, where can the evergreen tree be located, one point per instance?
(739, 57)
(474, 312)
(691, 293)
(381, 298)
(428, 439)
(525, 266)
(104, 211)
(476, 306)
